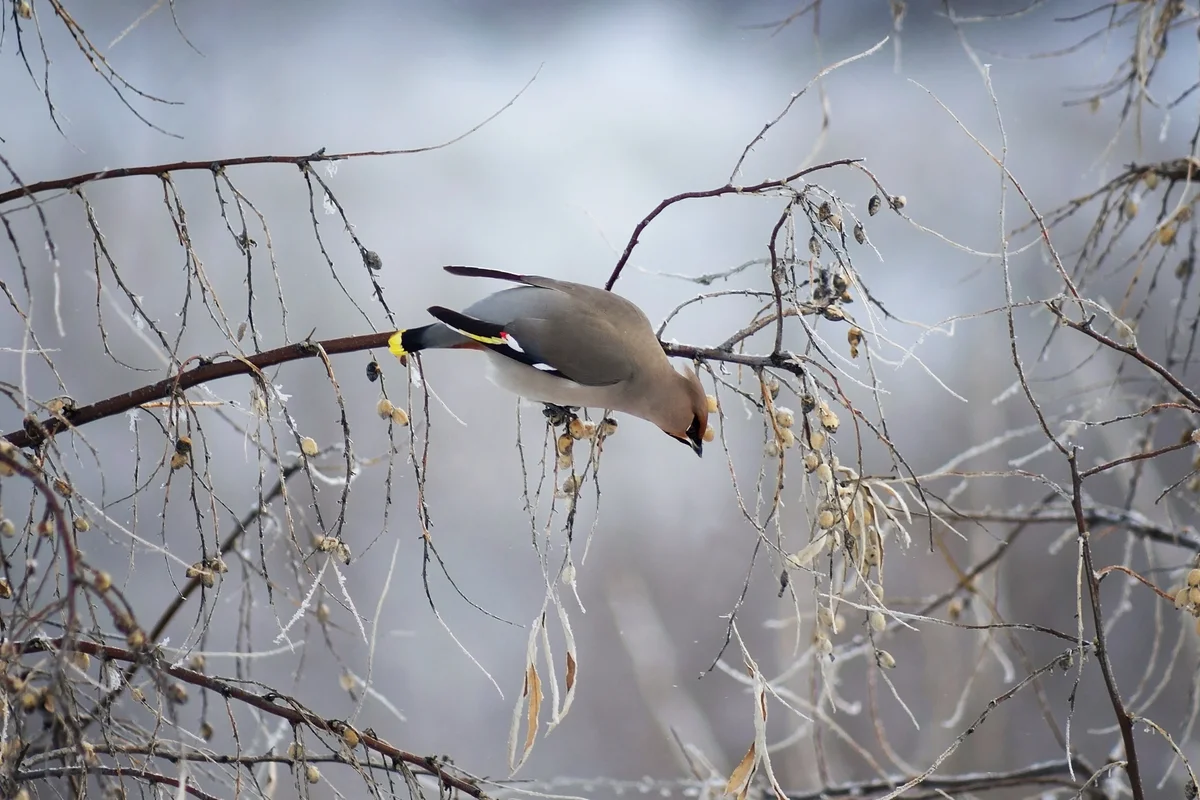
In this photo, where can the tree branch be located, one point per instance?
(1093, 582)
(293, 712)
(729, 188)
(35, 434)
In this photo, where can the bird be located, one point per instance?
(572, 345)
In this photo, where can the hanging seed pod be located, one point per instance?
(826, 619)
(814, 246)
(811, 461)
(784, 417)
(372, 370)
(898, 202)
(309, 446)
(835, 222)
(824, 212)
(399, 417)
(885, 659)
(877, 620)
(807, 403)
(581, 429)
(384, 408)
(350, 737)
(873, 205)
(816, 439)
(61, 405)
(955, 608)
(860, 233)
(854, 339)
(787, 438)
(183, 453)
(829, 420)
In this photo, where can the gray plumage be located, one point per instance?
(572, 345)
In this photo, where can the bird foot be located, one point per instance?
(559, 415)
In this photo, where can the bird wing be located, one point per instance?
(546, 329)
(512, 277)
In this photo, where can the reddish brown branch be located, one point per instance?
(1124, 721)
(26, 776)
(216, 165)
(32, 436)
(1135, 457)
(35, 434)
(1127, 571)
(293, 712)
(1130, 350)
(728, 188)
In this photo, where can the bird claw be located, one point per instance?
(559, 415)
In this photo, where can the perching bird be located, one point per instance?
(569, 345)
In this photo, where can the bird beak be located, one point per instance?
(697, 445)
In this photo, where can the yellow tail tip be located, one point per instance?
(396, 345)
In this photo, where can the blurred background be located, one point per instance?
(633, 102)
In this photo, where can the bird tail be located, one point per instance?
(411, 340)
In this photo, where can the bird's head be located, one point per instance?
(689, 412)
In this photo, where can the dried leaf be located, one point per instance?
(739, 780)
(530, 702)
(533, 690)
(570, 680)
(572, 667)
